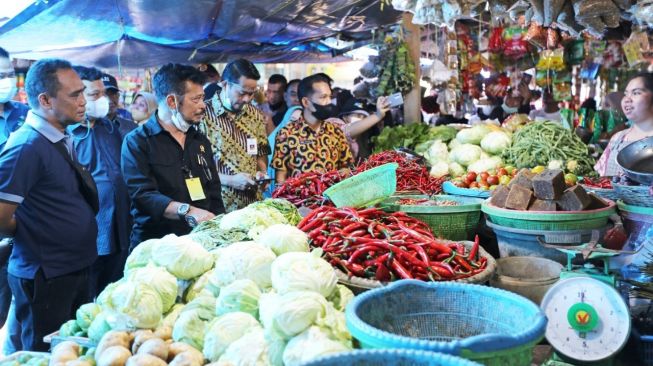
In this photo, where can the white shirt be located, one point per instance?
(541, 115)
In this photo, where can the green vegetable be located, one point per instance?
(190, 327)
(182, 257)
(171, 316)
(473, 135)
(134, 305)
(303, 272)
(539, 143)
(202, 286)
(456, 170)
(85, 315)
(141, 255)
(245, 260)
(341, 297)
(437, 152)
(312, 343)
(276, 346)
(98, 327)
(287, 209)
(250, 349)
(225, 330)
(291, 313)
(465, 154)
(211, 236)
(496, 142)
(160, 280)
(69, 328)
(408, 136)
(283, 238)
(240, 295)
(397, 70)
(484, 165)
(253, 219)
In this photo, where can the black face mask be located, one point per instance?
(323, 112)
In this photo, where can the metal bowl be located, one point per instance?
(636, 160)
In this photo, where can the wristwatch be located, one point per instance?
(183, 210)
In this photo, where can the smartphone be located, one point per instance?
(264, 180)
(526, 78)
(396, 100)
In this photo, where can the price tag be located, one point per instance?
(252, 147)
(195, 189)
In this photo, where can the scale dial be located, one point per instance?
(587, 319)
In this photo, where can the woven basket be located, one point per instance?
(610, 194)
(358, 284)
(634, 195)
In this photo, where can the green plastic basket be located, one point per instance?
(367, 188)
(447, 222)
(543, 220)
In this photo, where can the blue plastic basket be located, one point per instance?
(390, 357)
(487, 325)
(452, 189)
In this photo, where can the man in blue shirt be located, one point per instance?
(12, 116)
(117, 115)
(97, 142)
(48, 205)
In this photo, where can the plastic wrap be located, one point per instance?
(551, 10)
(404, 5)
(567, 22)
(538, 10)
(536, 35)
(428, 12)
(644, 12)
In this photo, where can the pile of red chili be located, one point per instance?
(306, 189)
(411, 176)
(603, 182)
(374, 244)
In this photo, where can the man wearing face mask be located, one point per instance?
(97, 142)
(237, 131)
(168, 164)
(312, 143)
(48, 204)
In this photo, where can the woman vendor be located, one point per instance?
(637, 105)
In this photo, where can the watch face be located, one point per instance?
(191, 221)
(183, 209)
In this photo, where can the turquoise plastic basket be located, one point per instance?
(490, 326)
(364, 189)
(393, 357)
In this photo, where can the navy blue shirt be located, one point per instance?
(98, 150)
(13, 117)
(55, 226)
(155, 167)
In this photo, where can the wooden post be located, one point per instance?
(413, 100)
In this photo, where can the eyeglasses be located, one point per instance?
(8, 74)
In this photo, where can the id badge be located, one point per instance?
(252, 147)
(195, 190)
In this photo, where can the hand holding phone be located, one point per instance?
(396, 100)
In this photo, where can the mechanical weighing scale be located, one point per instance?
(588, 320)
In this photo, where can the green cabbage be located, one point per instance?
(284, 238)
(341, 297)
(436, 152)
(287, 209)
(134, 305)
(224, 330)
(244, 260)
(191, 324)
(291, 313)
(98, 327)
(311, 344)
(465, 154)
(276, 346)
(473, 135)
(252, 219)
(103, 298)
(496, 142)
(303, 272)
(85, 315)
(248, 350)
(160, 280)
(171, 316)
(240, 295)
(69, 328)
(484, 165)
(141, 255)
(202, 285)
(182, 257)
(456, 170)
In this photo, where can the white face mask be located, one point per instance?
(98, 108)
(178, 120)
(509, 110)
(8, 89)
(224, 98)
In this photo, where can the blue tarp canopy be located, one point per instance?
(144, 33)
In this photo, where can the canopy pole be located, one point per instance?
(412, 101)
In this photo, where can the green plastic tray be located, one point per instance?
(543, 220)
(447, 222)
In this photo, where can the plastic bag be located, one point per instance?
(536, 35)
(552, 59)
(495, 43)
(514, 46)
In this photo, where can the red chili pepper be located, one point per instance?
(400, 270)
(463, 263)
(474, 250)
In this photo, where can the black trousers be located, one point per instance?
(106, 269)
(42, 305)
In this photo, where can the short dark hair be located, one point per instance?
(42, 78)
(88, 73)
(305, 88)
(293, 81)
(209, 70)
(3, 53)
(237, 68)
(278, 79)
(647, 78)
(172, 78)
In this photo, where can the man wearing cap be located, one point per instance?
(117, 115)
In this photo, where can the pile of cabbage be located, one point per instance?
(263, 302)
(475, 149)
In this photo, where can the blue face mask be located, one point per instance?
(509, 110)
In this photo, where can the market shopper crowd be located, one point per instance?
(83, 181)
